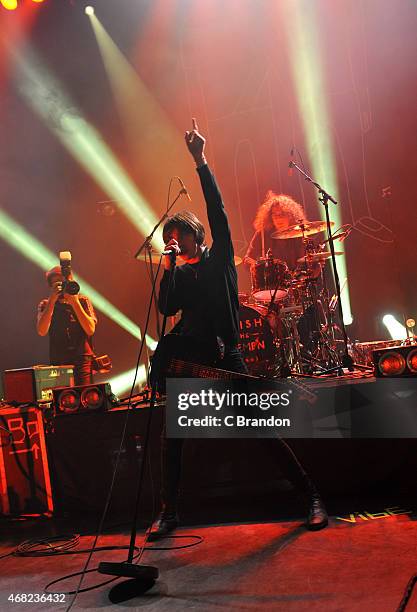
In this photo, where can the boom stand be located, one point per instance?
(324, 197)
(147, 245)
(144, 576)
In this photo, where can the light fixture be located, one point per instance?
(394, 327)
(69, 401)
(412, 361)
(397, 361)
(82, 398)
(92, 397)
(10, 5)
(89, 10)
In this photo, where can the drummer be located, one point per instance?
(276, 214)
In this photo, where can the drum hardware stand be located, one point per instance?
(320, 341)
(284, 367)
(324, 198)
(326, 339)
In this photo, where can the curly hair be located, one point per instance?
(186, 222)
(284, 204)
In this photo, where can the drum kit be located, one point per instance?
(287, 321)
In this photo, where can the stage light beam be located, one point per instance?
(306, 58)
(394, 327)
(122, 383)
(45, 95)
(31, 248)
(10, 5)
(152, 125)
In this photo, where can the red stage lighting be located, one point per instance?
(82, 398)
(412, 361)
(10, 5)
(92, 397)
(69, 401)
(396, 361)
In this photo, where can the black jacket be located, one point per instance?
(206, 292)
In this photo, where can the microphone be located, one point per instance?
(291, 163)
(184, 189)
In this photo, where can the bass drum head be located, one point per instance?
(256, 339)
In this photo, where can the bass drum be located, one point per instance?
(257, 343)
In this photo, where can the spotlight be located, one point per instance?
(391, 364)
(396, 361)
(91, 398)
(10, 5)
(412, 361)
(396, 330)
(68, 400)
(89, 10)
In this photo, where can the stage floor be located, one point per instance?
(362, 561)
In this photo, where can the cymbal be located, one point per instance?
(316, 257)
(156, 258)
(296, 231)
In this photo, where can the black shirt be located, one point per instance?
(68, 342)
(206, 292)
(288, 250)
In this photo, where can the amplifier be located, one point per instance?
(36, 383)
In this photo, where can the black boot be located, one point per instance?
(167, 522)
(317, 516)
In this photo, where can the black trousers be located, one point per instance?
(83, 371)
(172, 449)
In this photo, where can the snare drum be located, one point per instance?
(256, 338)
(268, 275)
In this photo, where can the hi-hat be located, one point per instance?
(302, 229)
(156, 258)
(316, 257)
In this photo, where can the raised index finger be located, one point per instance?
(195, 126)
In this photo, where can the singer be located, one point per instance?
(70, 322)
(205, 290)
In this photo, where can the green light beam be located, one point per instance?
(123, 382)
(31, 248)
(44, 94)
(303, 42)
(130, 92)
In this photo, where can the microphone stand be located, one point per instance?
(324, 198)
(147, 245)
(144, 576)
(148, 239)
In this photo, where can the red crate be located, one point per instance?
(25, 484)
